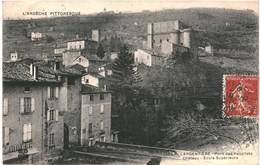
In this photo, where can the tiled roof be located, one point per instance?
(152, 52)
(20, 71)
(94, 74)
(78, 67)
(17, 71)
(88, 89)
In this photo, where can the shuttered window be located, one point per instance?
(27, 105)
(52, 115)
(101, 108)
(51, 141)
(6, 135)
(102, 125)
(5, 108)
(27, 132)
(53, 92)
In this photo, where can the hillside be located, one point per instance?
(225, 29)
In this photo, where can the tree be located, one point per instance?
(100, 51)
(123, 76)
(121, 84)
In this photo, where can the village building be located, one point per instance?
(94, 79)
(147, 57)
(69, 56)
(34, 109)
(113, 55)
(14, 56)
(209, 49)
(36, 36)
(105, 69)
(81, 60)
(95, 116)
(89, 46)
(59, 50)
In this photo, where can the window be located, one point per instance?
(90, 128)
(5, 108)
(101, 96)
(57, 65)
(80, 46)
(6, 135)
(167, 40)
(147, 57)
(91, 142)
(102, 109)
(103, 138)
(27, 105)
(27, 89)
(91, 98)
(27, 132)
(52, 115)
(52, 92)
(87, 81)
(71, 81)
(160, 40)
(90, 110)
(102, 125)
(51, 142)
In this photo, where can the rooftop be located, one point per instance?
(19, 71)
(152, 52)
(88, 89)
(78, 67)
(94, 74)
(82, 39)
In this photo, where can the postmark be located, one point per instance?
(240, 95)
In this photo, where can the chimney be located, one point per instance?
(33, 71)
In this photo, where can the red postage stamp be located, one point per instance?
(240, 95)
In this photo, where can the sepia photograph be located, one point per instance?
(130, 82)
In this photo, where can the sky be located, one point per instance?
(17, 9)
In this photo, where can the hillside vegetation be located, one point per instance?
(225, 29)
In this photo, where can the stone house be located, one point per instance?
(94, 79)
(147, 57)
(95, 115)
(34, 109)
(36, 36)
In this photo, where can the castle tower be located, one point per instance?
(175, 37)
(150, 36)
(96, 35)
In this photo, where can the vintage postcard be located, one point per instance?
(130, 82)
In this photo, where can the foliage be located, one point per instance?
(49, 39)
(100, 51)
(189, 125)
(115, 43)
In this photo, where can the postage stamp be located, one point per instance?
(240, 95)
